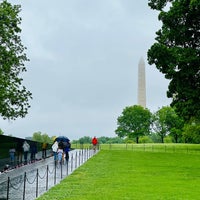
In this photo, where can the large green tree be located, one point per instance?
(176, 53)
(134, 122)
(41, 137)
(166, 121)
(14, 98)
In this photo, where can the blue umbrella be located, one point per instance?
(63, 141)
(62, 138)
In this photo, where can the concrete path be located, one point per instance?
(32, 180)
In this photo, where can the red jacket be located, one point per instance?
(94, 141)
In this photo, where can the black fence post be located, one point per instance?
(67, 167)
(37, 173)
(47, 179)
(24, 191)
(8, 187)
(55, 173)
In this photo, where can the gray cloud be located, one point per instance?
(83, 65)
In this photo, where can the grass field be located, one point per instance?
(123, 175)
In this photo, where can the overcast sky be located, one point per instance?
(83, 67)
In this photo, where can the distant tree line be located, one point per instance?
(101, 140)
(138, 125)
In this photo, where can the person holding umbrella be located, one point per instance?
(67, 147)
(64, 144)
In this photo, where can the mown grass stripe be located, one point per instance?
(132, 175)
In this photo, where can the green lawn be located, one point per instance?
(122, 174)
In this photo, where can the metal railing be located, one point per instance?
(31, 184)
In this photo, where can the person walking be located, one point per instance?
(55, 149)
(94, 143)
(44, 150)
(19, 151)
(33, 150)
(60, 155)
(12, 155)
(67, 146)
(26, 148)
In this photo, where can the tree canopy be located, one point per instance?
(41, 137)
(166, 122)
(191, 132)
(134, 122)
(176, 53)
(14, 98)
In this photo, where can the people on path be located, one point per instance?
(60, 155)
(55, 149)
(19, 150)
(61, 147)
(12, 155)
(33, 150)
(26, 148)
(44, 150)
(67, 147)
(94, 143)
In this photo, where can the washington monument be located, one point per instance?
(141, 84)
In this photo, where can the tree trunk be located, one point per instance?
(162, 139)
(176, 138)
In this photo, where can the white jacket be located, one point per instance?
(26, 146)
(55, 146)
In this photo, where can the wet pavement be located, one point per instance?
(32, 180)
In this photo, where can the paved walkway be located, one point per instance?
(40, 176)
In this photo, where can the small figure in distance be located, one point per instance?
(67, 147)
(19, 151)
(94, 143)
(33, 150)
(12, 155)
(60, 155)
(26, 148)
(44, 150)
